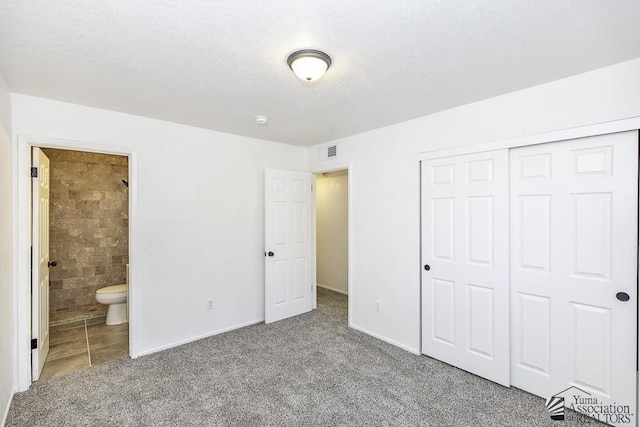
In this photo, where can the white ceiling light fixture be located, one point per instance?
(262, 120)
(309, 64)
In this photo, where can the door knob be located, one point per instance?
(622, 296)
(270, 253)
(52, 263)
(427, 267)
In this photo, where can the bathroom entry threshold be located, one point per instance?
(81, 344)
(93, 313)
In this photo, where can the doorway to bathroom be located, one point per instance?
(86, 219)
(332, 241)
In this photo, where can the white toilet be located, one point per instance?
(116, 298)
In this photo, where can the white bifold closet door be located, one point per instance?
(465, 250)
(574, 267)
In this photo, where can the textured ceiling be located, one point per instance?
(217, 64)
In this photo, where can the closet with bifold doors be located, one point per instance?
(530, 263)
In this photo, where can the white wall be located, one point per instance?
(332, 214)
(385, 181)
(200, 197)
(7, 325)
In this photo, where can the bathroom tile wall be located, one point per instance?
(88, 224)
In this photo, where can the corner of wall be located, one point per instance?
(5, 413)
(7, 294)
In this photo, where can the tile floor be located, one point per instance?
(79, 344)
(85, 312)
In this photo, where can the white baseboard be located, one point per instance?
(6, 410)
(199, 337)
(387, 340)
(331, 289)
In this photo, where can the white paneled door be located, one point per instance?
(288, 244)
(574, 268)
(465, 251)
(40, 262)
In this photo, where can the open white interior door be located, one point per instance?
(40, 263)
(288, 244)
(465, 275)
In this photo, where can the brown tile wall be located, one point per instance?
(88, 225)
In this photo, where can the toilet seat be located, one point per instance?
(115, 294)
(114, 289)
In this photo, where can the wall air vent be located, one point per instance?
(330, 152)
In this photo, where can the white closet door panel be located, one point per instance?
(465, 295)
(574, 240)
(443, 310)
(535, 325)
(443, 228)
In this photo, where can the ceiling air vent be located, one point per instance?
(330, 152)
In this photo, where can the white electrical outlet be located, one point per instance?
(209, 304)
(378, 306)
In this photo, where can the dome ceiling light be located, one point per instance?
(309, 64)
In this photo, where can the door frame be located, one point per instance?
(22, 237)
(348, 166)
(615, 126)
